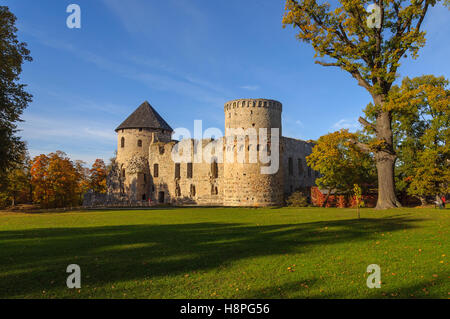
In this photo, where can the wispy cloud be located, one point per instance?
(299, 123)
(166, 79)
(40, 127)
(350, 124)
(250, 87)
(138, 16)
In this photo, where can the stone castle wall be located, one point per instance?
(296, 173)
(201, 187)
(145, 170)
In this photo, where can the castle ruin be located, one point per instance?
(145, 171)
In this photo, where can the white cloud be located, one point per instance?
(250, 87)
(299, 123)
(171, 81)
(37, 127)
(350, 124)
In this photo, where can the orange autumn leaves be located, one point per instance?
(59, 182)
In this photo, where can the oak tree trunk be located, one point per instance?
(385, 159)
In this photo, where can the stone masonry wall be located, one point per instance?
(300, 175)
(200, 189)
(244, 185)
(236, 184)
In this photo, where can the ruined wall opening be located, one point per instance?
(189, 173)
(161, 197)
(177, 170)
(214, 168)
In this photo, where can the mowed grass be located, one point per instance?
(226, 253)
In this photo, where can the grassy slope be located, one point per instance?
(226, 253)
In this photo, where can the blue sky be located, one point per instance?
(187, 58)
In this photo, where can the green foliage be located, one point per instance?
(15, 186)
(357, 192)
(13, 98)
(340, 163)
(297, 199)
(421, 128)
(371, 55)
(341, 33)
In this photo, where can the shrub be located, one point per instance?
(297, 199)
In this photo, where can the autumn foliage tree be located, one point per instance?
(340, 163)
(420, 110)
(369, 46)
(54, 180)
(97, 177)
(59, 182)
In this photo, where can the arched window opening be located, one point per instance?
(122, 142)
(192, 190)
(139, 143)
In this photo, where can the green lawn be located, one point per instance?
(226, 253)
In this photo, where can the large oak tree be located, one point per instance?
(369, 46)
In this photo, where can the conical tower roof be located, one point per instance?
(145, 116)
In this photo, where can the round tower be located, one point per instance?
(134, 137)
(244, 182)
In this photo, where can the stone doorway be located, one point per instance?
(161, 197)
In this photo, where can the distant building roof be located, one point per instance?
(145, 116)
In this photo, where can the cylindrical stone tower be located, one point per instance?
(244, 183)
(134, 137)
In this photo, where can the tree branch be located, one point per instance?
(327, 64)
(361, 146)
(361, 81)
(366, 123)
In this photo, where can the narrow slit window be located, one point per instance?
(155, 170)
(189, 170)
(177, 170)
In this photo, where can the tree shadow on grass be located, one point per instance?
(35, 260)
(302, 289)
